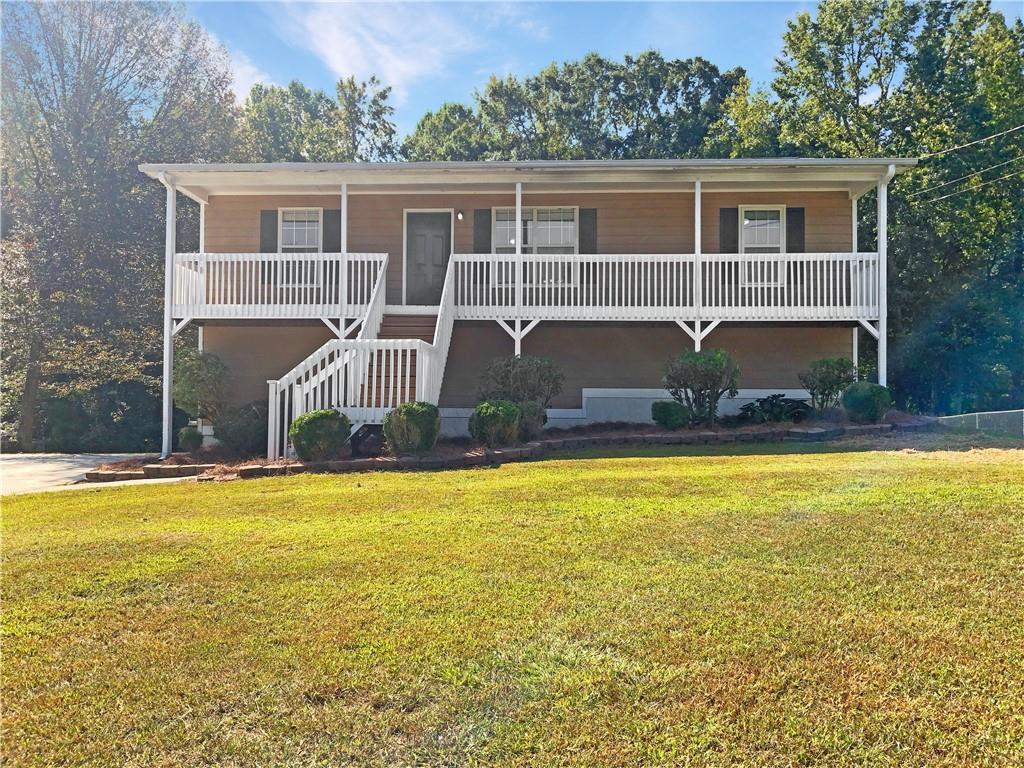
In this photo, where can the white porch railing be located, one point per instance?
(365, 377)
(435, 355)
(273, 285)
(791, 286)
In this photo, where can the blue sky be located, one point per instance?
(435, 52)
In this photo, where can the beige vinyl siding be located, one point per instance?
(827, 223)
(256, 353)
(627, 356)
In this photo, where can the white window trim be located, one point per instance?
(319, 246)
(573, 278)
(746, 279)
(494, 225)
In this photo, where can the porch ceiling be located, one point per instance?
(200, 181)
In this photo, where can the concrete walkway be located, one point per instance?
(27, 472)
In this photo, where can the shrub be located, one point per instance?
(698, 380)
(866, 403)
(243, 428)
(495, 423)
(521, 379)
(774, 408)
(201, 382)
(190, 439)
(826, 379)
(412, 428)
(532, 418)
(668, 414)
(319, 435)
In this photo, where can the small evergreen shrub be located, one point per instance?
(319, 435)
(826, 379)
(866, 403)
(698, 380)
(412, 428)
(495, 423)
(668, 414)
(775, 408)
(521, 379)
(532, 418)
(190, 439)
(243, 428)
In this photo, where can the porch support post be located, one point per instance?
(519, 256)
(518, 337)
(167, 409)
(202, 227)
(344, 250)
(698, 277)
(883, 277)
(853, 224)
(856, 346)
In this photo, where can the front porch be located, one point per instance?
(519, 245)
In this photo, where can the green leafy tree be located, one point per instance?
(91, 90)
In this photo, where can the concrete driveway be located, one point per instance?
(24, 472)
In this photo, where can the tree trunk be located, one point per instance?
(29, 397)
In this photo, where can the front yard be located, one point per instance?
(769, 605)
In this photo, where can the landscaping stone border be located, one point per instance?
(498, 456)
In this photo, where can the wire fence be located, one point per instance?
(1006, 422)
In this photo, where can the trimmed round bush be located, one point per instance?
(190, 439)
(532, 418)
(319, 435)
(412, 428)
(495, 423)
(866, 403)
(668, 414)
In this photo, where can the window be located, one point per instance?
(762, 231)
(299, 231)
(545, 230)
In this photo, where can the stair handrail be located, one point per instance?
(437, 353)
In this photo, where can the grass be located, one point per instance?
(773, 605)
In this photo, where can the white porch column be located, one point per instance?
(169, 247)
(202, 227)
(883, 277)
(344, 217)
(698, 277)
(343, 287)
(519, 259)
(853, 224)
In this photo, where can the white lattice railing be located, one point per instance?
(792, 286)
(274, 285)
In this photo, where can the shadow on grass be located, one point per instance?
(921, 442)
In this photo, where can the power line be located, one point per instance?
(971, 143)
(976, 186)
(969, 175)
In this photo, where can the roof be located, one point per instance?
(200, 180)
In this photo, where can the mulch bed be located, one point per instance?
(458, 453)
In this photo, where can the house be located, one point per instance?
(363, 285)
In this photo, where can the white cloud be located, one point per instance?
(245, 74)
(400, 43)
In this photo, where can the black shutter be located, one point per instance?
(268, 231)
(728, 230)
(795, 230)
(332, 231)
(588, 230)
(482, 230)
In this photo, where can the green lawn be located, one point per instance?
(776, 606)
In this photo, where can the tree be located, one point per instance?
(91, 90)
(296, 124)
(642, 107)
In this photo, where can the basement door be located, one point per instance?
(428, 246)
